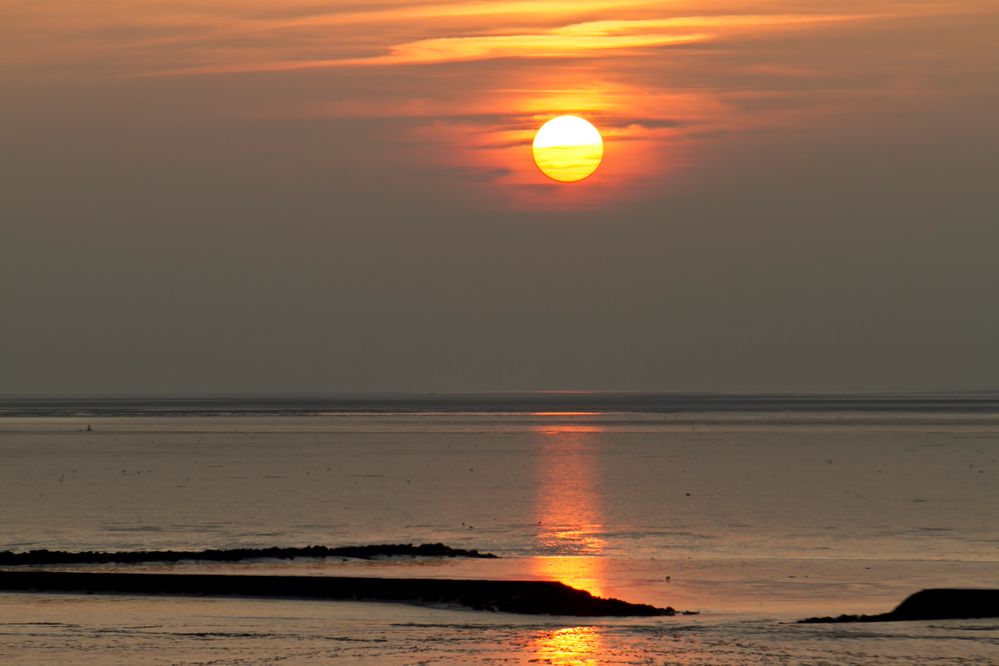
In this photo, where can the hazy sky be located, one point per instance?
(271, 195)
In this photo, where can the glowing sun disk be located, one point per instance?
(568, 149)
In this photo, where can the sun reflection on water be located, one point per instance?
(568, 504)
(571, 645)
(570, 525)
(582, 572)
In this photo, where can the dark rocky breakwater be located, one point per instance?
(524, 597)
(936, 604)
(49, 557)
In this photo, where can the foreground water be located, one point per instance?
(754, 513)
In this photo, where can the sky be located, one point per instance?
(302, 196)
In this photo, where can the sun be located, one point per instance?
(568, 149)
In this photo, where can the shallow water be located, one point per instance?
(752, 517)
(102, 630)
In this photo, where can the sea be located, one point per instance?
(752, 510)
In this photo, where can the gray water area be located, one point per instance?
(753, 517)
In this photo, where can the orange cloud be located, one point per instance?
(462, 49)
(570, 40)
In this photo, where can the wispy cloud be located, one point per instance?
(464, 49)
(571, 40)
(268, 35)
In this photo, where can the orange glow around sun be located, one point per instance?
(568, 149)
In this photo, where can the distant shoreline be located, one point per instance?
(539, 403)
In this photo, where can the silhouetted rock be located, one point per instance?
(939, 604)
(43, 556)
(526, 597)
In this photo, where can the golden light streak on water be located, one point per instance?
(569, 514)
(571, 645)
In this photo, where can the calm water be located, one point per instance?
(753, 511)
